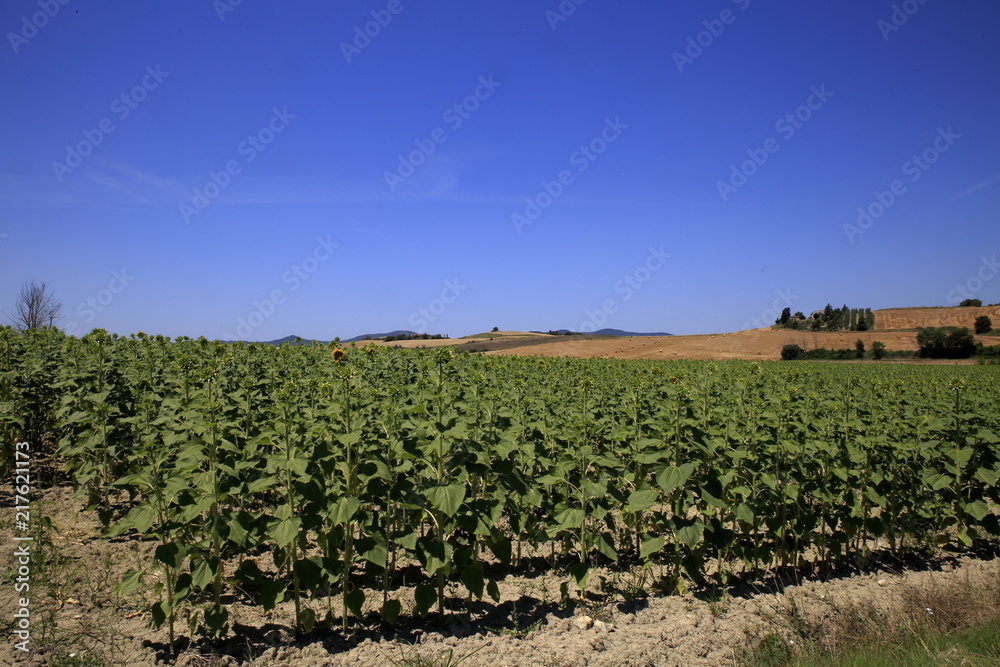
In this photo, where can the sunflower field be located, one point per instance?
(376, 483)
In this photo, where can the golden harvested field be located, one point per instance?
(911, 318)
(749, 344)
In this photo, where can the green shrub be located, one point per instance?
(791, 352)
(946, 342)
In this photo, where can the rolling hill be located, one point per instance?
(895, 327)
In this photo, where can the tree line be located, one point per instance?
(933, 343)
(829, 319)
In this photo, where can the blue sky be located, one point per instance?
(336, 168)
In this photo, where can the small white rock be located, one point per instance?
(584, 622)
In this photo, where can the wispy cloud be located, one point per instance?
(101, 184)
(109, 184)
(298, 190)
(112, 184)
(138, 177)
(992, 180)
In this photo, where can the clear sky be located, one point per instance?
(260, 169)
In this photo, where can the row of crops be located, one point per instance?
(376, 480)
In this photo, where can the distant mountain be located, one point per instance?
(398, 332)
(294, 340)
(619, 332)
(401, 332)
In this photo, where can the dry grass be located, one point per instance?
(911, 318)
(922, 611)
